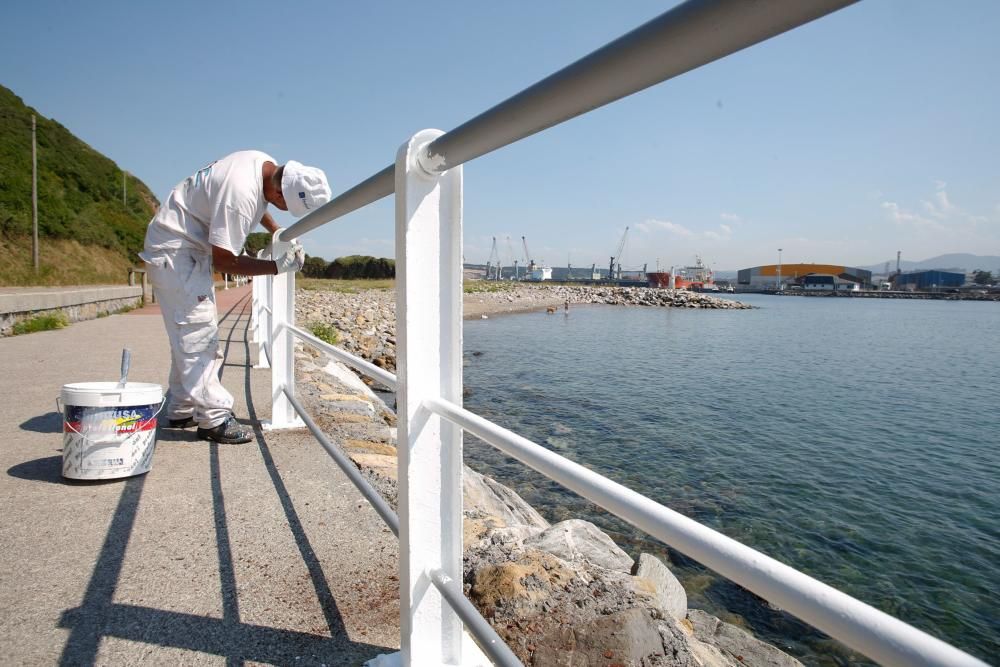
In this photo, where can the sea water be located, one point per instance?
(857, 440)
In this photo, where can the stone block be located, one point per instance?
(736, 643)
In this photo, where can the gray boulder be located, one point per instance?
(576, 540)
(655, 578)
(737, 644)
(490, 498)
(630, 637)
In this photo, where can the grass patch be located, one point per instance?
(119, 311)
(324, 332)
(475, 286)
(62, 262)
(40, 323)
(344, 286)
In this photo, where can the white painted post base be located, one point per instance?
(472, 656)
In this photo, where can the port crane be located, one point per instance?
(527, 256)
(493, 263)
(612, 274)
(510, 254)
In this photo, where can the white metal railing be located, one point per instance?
(427, 181)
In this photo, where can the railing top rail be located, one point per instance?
(688, 36)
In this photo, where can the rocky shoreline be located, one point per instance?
(558, 594)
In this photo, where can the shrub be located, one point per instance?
(324, 332)
(41, 323)
(475, 286)
(315, 267)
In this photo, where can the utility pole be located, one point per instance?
(124, 175)
(34, 194)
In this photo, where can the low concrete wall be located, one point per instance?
(77, 303)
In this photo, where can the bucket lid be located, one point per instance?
(109, 393)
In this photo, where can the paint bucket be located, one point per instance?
(109, 430)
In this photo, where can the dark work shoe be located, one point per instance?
(183, 422)
(229, 432)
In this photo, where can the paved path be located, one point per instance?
(221, 554)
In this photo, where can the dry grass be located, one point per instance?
(61, 262)
(345, 286)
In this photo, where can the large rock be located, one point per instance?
(577, 540)
(668, 594)
(630, 637)
(496, 500)
(737, 644)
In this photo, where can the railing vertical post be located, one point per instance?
(429, 356)
(262, 326)
(281, 345)
(255, 311)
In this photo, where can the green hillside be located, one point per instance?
(79, 204)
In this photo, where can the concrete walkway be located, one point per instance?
(221, 554)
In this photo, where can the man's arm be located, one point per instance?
(268, 223)
(243, 265)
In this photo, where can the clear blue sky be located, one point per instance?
(869, 131)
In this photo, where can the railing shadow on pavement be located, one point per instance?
(99, 617)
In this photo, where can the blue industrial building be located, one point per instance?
(924, 280)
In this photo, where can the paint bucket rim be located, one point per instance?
(100, 394)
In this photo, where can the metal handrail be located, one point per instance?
(681, 39)
(862, 627)
(349, 469)
(486, 637)
(482, 632)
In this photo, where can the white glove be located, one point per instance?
(293, 259)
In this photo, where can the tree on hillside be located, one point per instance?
(982, 277)
(361, 266)
(315, 267)
(79, 190)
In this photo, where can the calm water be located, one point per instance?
(854, 439)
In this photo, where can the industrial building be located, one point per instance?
(927, 280)
(807, 276)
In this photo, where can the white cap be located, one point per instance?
(304, 188)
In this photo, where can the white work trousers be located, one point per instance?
(185, 291)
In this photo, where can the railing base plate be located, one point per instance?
(267, 425)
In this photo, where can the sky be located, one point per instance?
(872, 130)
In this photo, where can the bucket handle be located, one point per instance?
(59, 405)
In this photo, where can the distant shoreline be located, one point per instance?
(984, 295)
